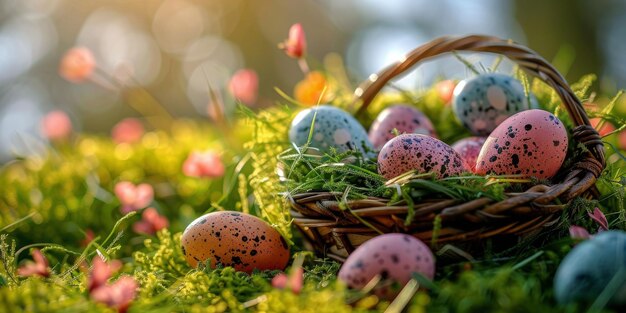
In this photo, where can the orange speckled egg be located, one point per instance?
(531, 143)
(235, 239)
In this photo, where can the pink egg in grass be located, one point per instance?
(531, 143)
(469, 149)
(404, 119)
(392, 257)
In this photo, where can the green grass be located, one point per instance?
(50, 201)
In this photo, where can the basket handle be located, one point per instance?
(527, 59)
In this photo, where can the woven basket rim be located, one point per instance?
(336, 232)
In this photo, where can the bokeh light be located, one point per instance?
(177, 49)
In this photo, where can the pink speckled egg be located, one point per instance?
(468, 149)
(404, 118)
(418, 152)
(395, 257)
(531, 143)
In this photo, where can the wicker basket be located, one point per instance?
(335, 233)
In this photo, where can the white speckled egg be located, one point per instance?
(468, 149)
(333, 128)
(587, 270)
(531, 143)
(395, 257)
(485, 101)
(404, 118)
(418, 152)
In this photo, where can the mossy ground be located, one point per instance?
(49, 202)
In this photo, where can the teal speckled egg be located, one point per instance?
(333, 128)
(587, 270)
(485, 101)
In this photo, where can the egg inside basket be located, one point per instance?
(520, 186)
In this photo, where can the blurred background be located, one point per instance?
(173, 47)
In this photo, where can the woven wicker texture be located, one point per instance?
(336, 232)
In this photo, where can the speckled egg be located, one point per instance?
(485, 101)
(395, 257)
(403, 118)
(418, 152)
(235, 239)
(468, 149)
(531, 143)
(333, 128)
(587, 270)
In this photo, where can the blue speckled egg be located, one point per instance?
(587, 270)
(485, 101)
(333, 128)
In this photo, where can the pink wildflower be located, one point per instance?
(203, 164)
(293, 282)
(244, 86)
(151, 222)
(101, 272)
(133, 197)
(599, 218)
(37, 268)
(118, 295)
(577, 232)
(129, 130)
(445, 89)
(603, 130)
(295, 45)
(77, 64)
(56, 125)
